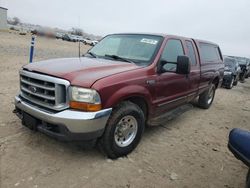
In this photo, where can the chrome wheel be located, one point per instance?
(126, 131)
(210, 95)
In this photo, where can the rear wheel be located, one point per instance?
(123, 130)
(206, 99)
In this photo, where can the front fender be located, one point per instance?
(127, 92)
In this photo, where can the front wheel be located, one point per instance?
(231, 84)
(236, 82)
(123, 130)
(206, 99)
(243, 77)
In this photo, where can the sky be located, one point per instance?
(225, 22)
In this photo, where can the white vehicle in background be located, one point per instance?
(74, 38)
(94, 42)
(23, 32)
(59, 35)
(87, 41)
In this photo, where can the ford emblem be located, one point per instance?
(32, 89)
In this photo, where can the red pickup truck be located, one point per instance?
(122, 84)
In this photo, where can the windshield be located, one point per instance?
(229, 62)
(242, 62)
(134, 47)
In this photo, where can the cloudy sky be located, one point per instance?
(226, 22)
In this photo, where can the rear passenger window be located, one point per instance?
(191, 52)
(209, 53)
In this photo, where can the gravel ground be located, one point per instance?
(189, 151)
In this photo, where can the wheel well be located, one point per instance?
(216, 82)
(141, 102)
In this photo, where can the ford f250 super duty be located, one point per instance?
(122, 84)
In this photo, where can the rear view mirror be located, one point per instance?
(183, 65)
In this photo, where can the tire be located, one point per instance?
(243, 77)
(230, 86)
(236, 82)
(248, 179)
(125, 114)
(206, 99)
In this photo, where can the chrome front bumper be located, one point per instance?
(74, 121)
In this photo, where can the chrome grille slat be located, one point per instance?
(38, 85)
(50, 106)
(45, 91)
(38, 94)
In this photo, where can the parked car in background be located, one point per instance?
(248, 64)
(125, 82)
(59, 35)
(72, 38)
(245, 69)
(87, 41)
(231, 72)
(94, 42)
(23, 32)
(66, 37)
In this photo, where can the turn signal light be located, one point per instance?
(85, 106)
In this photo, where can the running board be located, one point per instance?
(161, 120)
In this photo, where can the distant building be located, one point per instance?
(3, 18)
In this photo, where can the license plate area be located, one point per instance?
(29, 121)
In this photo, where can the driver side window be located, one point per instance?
(172, 50)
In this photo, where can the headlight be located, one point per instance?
(227, 73)
(84, 99)
(85, 95)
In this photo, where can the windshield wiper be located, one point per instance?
(116, 57)
(92, 54)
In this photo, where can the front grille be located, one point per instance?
(45, 91)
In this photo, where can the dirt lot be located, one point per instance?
(190, 151)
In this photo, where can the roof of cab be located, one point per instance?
(169, 36)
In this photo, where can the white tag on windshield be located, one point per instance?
(149, 41)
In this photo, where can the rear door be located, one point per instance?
(194, 76)
(171, 88)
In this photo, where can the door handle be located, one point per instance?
(150, 82)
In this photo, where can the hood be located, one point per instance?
(80, 71)
(229, 68)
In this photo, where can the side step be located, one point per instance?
(169, 115)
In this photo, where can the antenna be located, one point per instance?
(79, 41)
(79, 48)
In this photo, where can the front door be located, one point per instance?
(171, 88)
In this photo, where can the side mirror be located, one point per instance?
(183, 65)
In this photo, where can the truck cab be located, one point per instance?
(122, 84)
